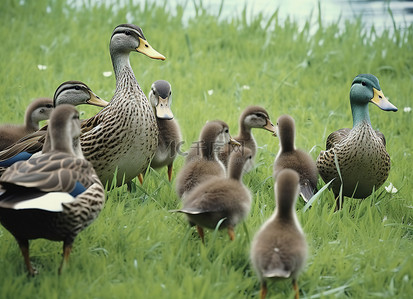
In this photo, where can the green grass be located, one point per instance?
(136, 248)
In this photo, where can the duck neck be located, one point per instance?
(30, 123)
(235, 168)
(244, 131)
(61, 142)
(121, 66)
(287, 141)
(360, 114)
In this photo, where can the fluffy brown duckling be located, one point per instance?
(279, 249)
(214, 135)
(220, 198)
(169, 136)
(290, 157)
(37, 111)
(251, 117)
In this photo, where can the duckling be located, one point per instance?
(54, 195)
(37, 111)
(169, 137)
(290, 157)
(251, 117)
(69, 92)
(220, 199)
(279, 249)
(214, 135)
(361, 151)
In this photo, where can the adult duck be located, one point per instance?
(54, 195)
(123, 137)
(361, 154)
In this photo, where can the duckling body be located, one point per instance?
(123, 137)
(69, 92)
(214, 134)
(54, 195)
(279, 249)
(361, 151)
(296, 159)
(220, 198)
(37, 111)
(169, 137)
(251, 117)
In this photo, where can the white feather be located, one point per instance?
(49, 202)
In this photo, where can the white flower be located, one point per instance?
(407, 109)
(210, 92)
(107, 74)
(390, 188)
(245, 87)
(41, 67)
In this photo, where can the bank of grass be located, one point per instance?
(137, 248)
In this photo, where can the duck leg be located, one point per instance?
(140, 178)
(24, 248)
(170, 172)
(231, 233)
(296, 290)
(201, 233)
(263, 291)
(67, 249)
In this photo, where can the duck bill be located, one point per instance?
(96, 101)
(381, 101)
(269, 126)
(145, 48)
(233, 141)
(162, 109)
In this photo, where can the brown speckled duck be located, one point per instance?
(290, 157)
(361, 151)
(169, 137)
(214, 135)
(220, 199)
(251, 117)
(279, 249)
(54, 195)
(37, 111)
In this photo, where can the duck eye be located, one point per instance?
(77, 87)
(363, 83)
(127, 32)
(226, 131)
(49, 106)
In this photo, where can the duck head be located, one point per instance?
(160, 97)
(76, 93)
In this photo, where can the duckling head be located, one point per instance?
(76, 93)
(257, 117)
(160, 97)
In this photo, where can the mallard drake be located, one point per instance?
(361, 151)
(169, 137)
(296, 159)
(214, 135)
(37, 111)
(279, 249)
(69, 92)
(251, 117)
(54, 195)
(123, 137)
(220, 199)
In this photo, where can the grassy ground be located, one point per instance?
(136, 248)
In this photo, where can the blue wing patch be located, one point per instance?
(79, 188)
(19, 157)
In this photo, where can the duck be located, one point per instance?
(290, 157)
(122, 138)
(251, 117)
(169, 139)
(54, 195)
(69, 92)
(37, 111)
(360, 151)
(223, 201)
(279, 249)
(214, 135)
